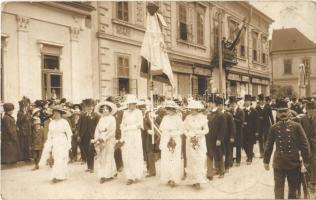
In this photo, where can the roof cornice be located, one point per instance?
(76, 7)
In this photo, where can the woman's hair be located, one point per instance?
(102, 108)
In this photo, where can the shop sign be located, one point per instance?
(256, 80)
(202, 71)
(233, 77)
(245, 78)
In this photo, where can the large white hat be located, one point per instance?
(106, 103)
(170, 104)
(193, 104)
(131, 99)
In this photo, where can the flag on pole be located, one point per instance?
(239, 30)
(154, 52)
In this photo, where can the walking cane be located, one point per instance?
(305, 183)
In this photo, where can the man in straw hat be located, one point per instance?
(9, 137)
(86, 127)
(289, 138)
(132, 150)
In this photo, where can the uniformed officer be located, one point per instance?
(290, 138)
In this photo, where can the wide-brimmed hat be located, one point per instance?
(170, 104)
(60, 109)
(193, 104)
(131, 99)
(106, 103)
(7, 107)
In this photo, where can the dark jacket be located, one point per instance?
(24, 124)
(239, 118)
(309, 126)
(217, 127)
(9, 140)
(231, 127)
(38, 139)
(250, 126)
(87, 125)
(265, 119)
(119, 117)
(289, 138)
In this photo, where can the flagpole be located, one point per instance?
(151, 93)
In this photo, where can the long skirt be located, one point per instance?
(171, 162)
(59, 148)
(105, 162)
(132, 153)
(196, 162)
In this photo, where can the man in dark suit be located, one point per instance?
(265, 120)
(308, 123)
(86, 127)
(290, 140)
(250, 128)
(215, 138)
(229, 139)
(239, 117)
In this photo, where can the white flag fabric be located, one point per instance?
(154, 49)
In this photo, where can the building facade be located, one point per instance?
(192, 39)
(290, 48)
(79, 50)
(46, 51)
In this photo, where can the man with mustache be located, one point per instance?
(290, 140)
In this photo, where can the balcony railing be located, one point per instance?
(229, 56)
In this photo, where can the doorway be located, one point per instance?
(202, 85)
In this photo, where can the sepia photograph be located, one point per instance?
(158, 99)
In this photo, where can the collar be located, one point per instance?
(247, 108)
(215, 109)
(235, 109)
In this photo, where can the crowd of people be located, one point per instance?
(193, 138)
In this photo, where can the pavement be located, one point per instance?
(243, 182)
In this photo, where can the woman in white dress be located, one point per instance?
(105, 140)
(57, 145)
(132, 149)
(195, 129)
(171, 127)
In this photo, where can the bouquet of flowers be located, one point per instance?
(195, 142)
(119, 144)
(171, 145)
